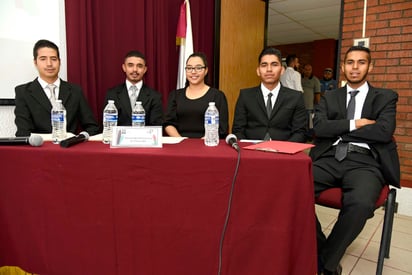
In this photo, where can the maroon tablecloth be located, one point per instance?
(90, 209)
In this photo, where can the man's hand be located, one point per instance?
(359, 123)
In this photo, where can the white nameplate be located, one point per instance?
(144, 137)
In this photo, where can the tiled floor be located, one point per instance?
(361, 256)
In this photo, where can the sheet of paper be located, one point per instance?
(277, 146)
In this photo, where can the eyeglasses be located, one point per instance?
(197, 69)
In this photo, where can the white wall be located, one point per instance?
(7, 126)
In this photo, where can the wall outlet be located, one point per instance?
(364, 42)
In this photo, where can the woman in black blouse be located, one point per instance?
(186, 107)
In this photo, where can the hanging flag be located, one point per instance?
(184, 39)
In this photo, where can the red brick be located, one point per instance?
(401, 22)
(353, 5)
(385, 62)
(406, 182)
(400, 38)
(405, 124)
(401, 6)
(353, 27)
(399, 54)
(406, 46)
(407, 29)
(379, 9)
(388, 47)
(389, 31)
(407, 13)
(379, 39)
(377, 24)
(390, 15)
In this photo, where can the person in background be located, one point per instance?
(354, 150)
(311, 92)
(133, 89)
(187, 106)
(34, 99)
(291, 77)
(327, 83)
(270, 110)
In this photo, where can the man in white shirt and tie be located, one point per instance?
(133, 89)
(34, 99)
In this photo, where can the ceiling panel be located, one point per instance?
(300, 21)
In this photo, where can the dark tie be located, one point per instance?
(269, 111)
(342, 147)
(133, 96)
(269, 104)
(350, 111)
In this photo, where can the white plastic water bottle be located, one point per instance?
(58, 122)
(211, 125)
(109, 121)
(138, 115)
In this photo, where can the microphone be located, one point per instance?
(33, 140)
(231, 139)
(83, 136)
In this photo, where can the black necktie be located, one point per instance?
(342, 147)
(269, 104)
(350, 111)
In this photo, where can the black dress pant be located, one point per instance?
(361, 181)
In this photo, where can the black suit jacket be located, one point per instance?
(151, 101)
(330, 123)
(33, 109)
(287, 121)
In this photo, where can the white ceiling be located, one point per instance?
(299, 21)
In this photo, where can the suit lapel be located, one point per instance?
(37, 93)
(260, 99)
(341, 100)
(279, 100)
(124, 100)
(143, 95)
(368, 104)
(64, 91)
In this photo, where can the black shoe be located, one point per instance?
(337, 271)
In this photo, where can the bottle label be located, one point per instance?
(138, 118)
(211, 120)
(110, 117)
(58, 117)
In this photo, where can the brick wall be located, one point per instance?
(389, 27)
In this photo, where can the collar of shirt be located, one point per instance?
(129, 84)
(266, 91)
(44, 84)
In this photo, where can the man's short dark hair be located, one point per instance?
(270, 51)
(135, 53)
(359, 48)
(43, 43)
(290, 58)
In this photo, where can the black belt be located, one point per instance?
(358, 149)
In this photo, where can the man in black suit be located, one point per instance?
(134, 67)
(270, 110)
(356, 153)
(34, 99)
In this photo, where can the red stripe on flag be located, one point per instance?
(181, 24)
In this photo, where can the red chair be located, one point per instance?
(333, 198)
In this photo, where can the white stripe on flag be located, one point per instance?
(186, 49)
